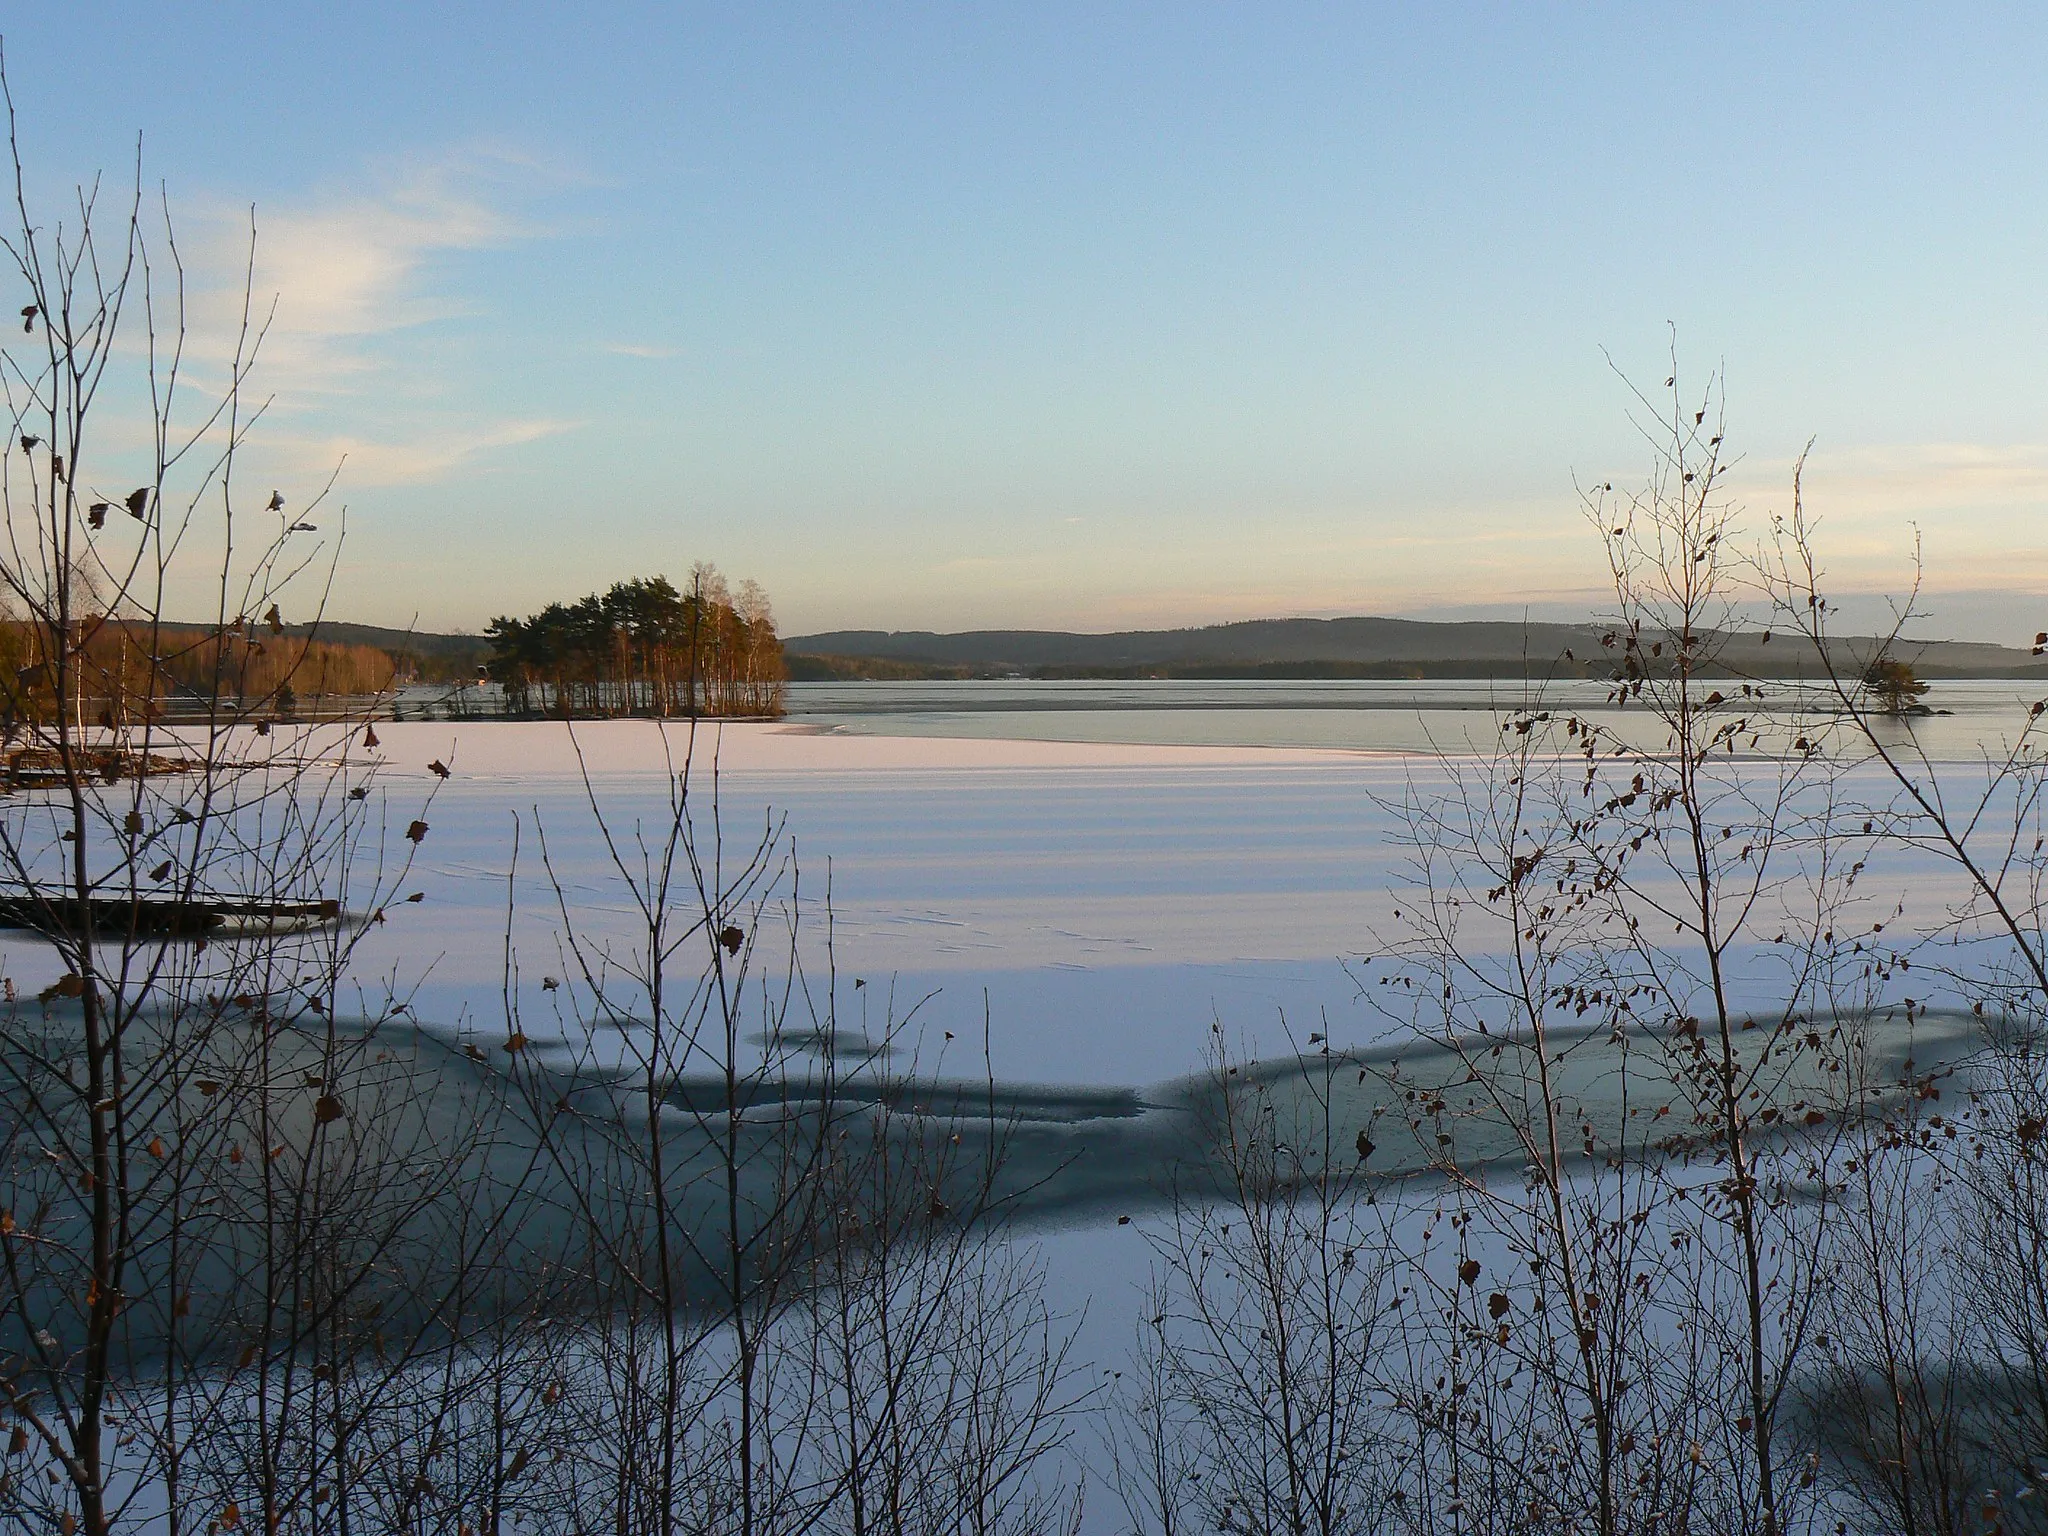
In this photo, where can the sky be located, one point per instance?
(1093, 316)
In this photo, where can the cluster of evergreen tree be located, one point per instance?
(645, 648)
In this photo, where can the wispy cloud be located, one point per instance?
(353, 272)
(640, 349)
(1977, 506)
(347, 266)
(352, 268)
(369, 461)
(1930, 476)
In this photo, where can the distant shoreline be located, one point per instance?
(804, 668)
(1355, 648)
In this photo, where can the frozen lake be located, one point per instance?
(1104, 902)
(1102, 869)
(1107, 868)
(1103, 872)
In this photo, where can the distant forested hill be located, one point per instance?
(1311, 648)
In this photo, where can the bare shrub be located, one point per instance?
(1258, 1401)
(799, 1307)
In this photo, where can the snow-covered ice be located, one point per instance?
(1109, 900)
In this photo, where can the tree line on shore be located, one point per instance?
(122, 669)
(640, 648)
(645, 648)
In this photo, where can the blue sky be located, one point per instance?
(1093, 316)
